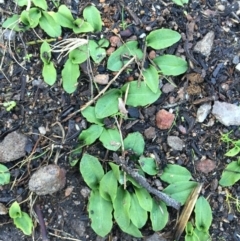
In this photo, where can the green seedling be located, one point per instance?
(9, 105)
(21, 219)
(203, 220)
(110, 200)
(4, 175)
(231, 173)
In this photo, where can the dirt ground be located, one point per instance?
(39, 105)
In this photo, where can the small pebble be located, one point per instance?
(175, 143)
(164, 119)
(235, 59)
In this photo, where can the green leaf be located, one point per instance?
(4, 175)
(180, 2)
(90, 135)
(21, 3)
(15, 211)
(175, 173)
(41, 4)
(180, 190)
(132, 230)
(24, 17)
(201, 235)
(158, 215)
(203, 214)
(233, 152)
(79, 55)
(24, 223)
(134, 142)
(111, 139)
(49, 73)
(140, 95)
(97, 53)
(115, 169)
(108, 186)
(121, 56)
(230, 175)
(80, 26)
(89, 114)
(151, 78)
(171, 65)
(100, 213)
(64, 17)
(12, 23)
(49, 25)
(75, 156)
(91, 170)
(137, 214)
(148, 165)
(103, 43)
(45, 52)
(92, 16)
(144, 198)
(107, 105)
(33, 16)
(162, 38)
(70, 74)
(121, 205)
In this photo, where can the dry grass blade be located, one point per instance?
(187, 211)
(67, 45)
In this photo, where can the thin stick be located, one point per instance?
(143, 182)
(102, 91)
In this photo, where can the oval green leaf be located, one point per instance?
(89, 114)
(175, 173)
(49, 73)
(230, 175)
(117, 59)
(91, 170)
(15, 210)
(180, 2)
(148, 165)
(134, 142)
(92, 16)
(162, 38)
(79, 55)
(64, 17)
(137, 214)
(158, 215)
(49, 25)
(151, 78)
(111, 139)
(144, 198)
(80, 26)
(41, 4)
(90, 135)
(100, 213)
(203, 214)
(140, 94)
(171, 65)
(108, 186)
(107, 105)
(121, 206)
(4, 175)
(24, 223)
(180, 191)
(70, 74)
(233, 152)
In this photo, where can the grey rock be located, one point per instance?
(237, 67)
(175, 142)
(13, 147)
(227, 114)
(78, 226)
(167, 88)
(155, 237)
(203, 112)
(47, 180)
(204, 46)
(235, 59)
(150, 133)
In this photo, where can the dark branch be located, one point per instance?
(143, 182)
